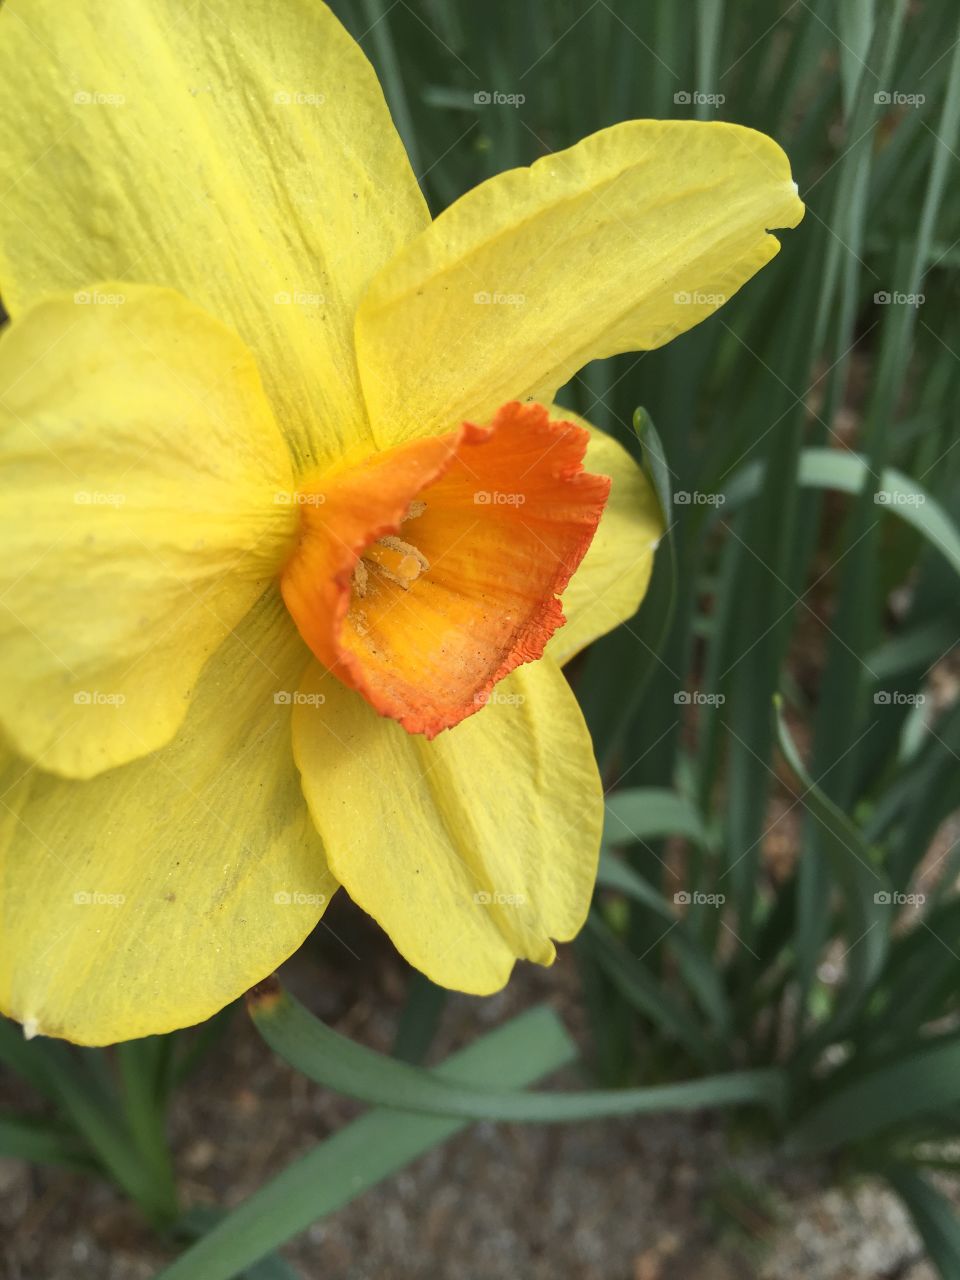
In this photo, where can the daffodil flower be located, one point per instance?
(290, 520)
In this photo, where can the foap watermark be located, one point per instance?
(95, 498)
(896, 498)
(684, 898)
(295, 98)
(894, 298)
(494, 898)
(696, 698)
(894, 698)
(296, 698)
(697, 498)
(95, 298)
(299, 298)
(497, 698)
(694, 98)
(895, 98)
(85, 98)
(699, 299)
(295, 898)
(94, 698)
(483, 298)
(98, 899)
(285, 498)
(894, 898)
(495, 98)
(494, 498)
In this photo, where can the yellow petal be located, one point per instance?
(149, 898)
(141, 467)
(620, 243)
(237, 150)
(473, 849)
(613, 576)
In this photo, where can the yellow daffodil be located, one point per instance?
(289, 519)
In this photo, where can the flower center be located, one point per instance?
(428, 572)
(398, 561)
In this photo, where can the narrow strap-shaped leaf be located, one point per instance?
(82, 1102)
(695, 961)
(28, 1058)
(363, 1153)
(921, 1084)
(201, 1220)
(614, 873)
(42, 1143)
(855, 867)
(80, 1095)
(609, 701)
(649, 813)
(934, 1217)
(143, 1069)
(850, 473)
(340, 1063)
(420, 1018)
(643, 988)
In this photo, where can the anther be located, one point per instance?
(401, 562)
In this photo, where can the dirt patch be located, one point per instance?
(664, 1198)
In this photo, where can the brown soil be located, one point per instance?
(668, 1198)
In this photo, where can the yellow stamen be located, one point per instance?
(395, 559)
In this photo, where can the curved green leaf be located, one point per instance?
(646, 991)
(650, 813)
(41, 1143)
(609, 701)
(855, 867)
(695, 961)
(368, 1150)
(934, 1217)
(918, 1085)
(333, 1060)
(850, 473)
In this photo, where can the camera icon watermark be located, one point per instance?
(493, 97)
(698, 298)
(894, 698)
(289, 97)
(288, 498)
(94, 698)
(894, 298)
(497, 698)
(697, 498)
(484, 298)
(94, 298)
(894, 98)
(896, 498)
(694, 98)
(296, 698)
(494, 498)
(299, 298)
(84, 98)
(94, 498)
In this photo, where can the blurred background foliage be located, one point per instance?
(777, 926)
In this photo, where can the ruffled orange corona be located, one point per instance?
(429, 572)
